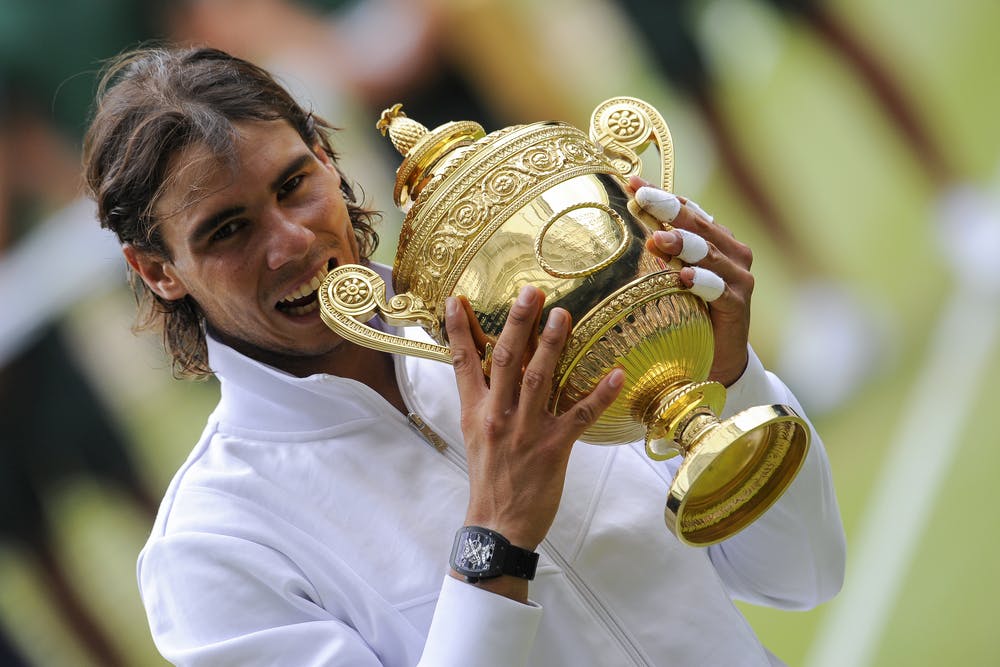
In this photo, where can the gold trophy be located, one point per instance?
(545, 204)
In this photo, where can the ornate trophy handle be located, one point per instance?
(623, 126)
(352, 294)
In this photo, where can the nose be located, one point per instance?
(288, 240)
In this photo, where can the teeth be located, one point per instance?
(307, 287)
(303, 310)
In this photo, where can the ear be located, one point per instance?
(158, 274)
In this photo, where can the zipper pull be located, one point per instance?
(427, 432)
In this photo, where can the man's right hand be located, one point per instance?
(517, 450)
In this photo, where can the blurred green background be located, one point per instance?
(904, 399)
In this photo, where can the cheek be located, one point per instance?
(334, 211)
(223, 282)
(320, 208)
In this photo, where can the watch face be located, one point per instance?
(475, 552)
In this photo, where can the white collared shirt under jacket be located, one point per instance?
(312, 525)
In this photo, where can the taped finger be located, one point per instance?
(693, 205)
(660, 203)
(693, 248)
(706, 284)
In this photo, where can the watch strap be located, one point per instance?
(518, 562)
(506, 558)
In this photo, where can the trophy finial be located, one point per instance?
(422, 149)
(404, 132)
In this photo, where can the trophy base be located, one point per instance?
(733, 471)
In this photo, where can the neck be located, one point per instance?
(371, 367)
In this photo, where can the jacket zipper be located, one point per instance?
(588, 597)
(432, 438)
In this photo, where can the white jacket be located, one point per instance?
(312, 526)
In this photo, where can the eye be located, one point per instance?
(227, 229)
(290, 186)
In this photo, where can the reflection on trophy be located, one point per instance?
(547, 205)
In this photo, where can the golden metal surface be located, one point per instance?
(544, 204)
(587, 270)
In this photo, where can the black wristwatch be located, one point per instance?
(481, 553)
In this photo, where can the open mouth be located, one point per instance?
(303, 300)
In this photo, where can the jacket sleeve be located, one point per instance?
(223, 600)
(793, 556)
(464, 629)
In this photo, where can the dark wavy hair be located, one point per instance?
(151, 104)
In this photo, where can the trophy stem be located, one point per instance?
(671, 414)
(733, 469)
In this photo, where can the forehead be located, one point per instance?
(199, 174)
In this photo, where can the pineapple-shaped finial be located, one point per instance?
(404, 132)
(423, 150)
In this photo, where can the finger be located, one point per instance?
(636, 182)
(682, 213)
(694, 219)
(479, 336)
(733, 267)
(514, 340)
(529, 349)
(586, 412)
(661, 204)
(705, 217)
(464, 357)
(693, 247)
(706, 284)
(536, 384)
(698, 210)
(682, 244)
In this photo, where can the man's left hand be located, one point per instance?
(717, 268)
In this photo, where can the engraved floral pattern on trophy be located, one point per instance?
(353, 291)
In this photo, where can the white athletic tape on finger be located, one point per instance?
(694, 248)
(663, 205)
(693, 205)
(706, 284)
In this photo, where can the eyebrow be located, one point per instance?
(208, 225)
(292, 167)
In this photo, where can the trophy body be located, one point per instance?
(546, 205)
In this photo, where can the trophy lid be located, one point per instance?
(422, 149)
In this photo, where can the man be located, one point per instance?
(313, 522)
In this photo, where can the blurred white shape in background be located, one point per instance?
(65, 258)
(831, 344)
